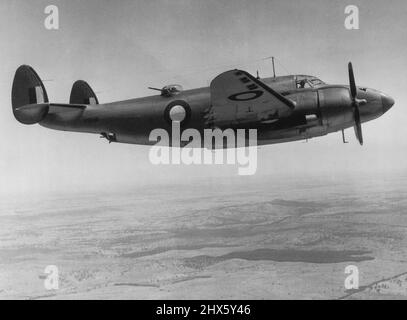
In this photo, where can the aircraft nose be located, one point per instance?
(387, 102)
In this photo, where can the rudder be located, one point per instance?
(82, 93)
(29, 98)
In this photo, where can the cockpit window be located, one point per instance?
(304, 82)
(316, 82)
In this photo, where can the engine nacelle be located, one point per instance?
(335, 106)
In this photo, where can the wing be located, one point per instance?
(239, 98)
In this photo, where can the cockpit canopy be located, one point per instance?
(303, 81)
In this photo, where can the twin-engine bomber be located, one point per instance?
(281, 109)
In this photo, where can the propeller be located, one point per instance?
(355, 104)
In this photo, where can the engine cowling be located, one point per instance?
(335, 106)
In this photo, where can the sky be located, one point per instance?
(122, 47)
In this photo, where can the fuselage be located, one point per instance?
(319, 109)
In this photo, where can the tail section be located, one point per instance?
(29, 98)
(82, 93)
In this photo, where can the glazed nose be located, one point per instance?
(387, 102)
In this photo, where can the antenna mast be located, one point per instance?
(274, 70)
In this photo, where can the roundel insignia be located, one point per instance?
(246, 95)
(177, 110)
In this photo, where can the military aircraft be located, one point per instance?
(282, 109)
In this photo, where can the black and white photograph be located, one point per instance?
(223, 150)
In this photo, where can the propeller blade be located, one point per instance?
(352, 83)
(355, 104)
(358, 125)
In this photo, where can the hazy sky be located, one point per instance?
(121, 47)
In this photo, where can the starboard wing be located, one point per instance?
(239, 98)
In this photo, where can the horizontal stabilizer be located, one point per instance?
(82, 93)
(59, 108)
(31, 113)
